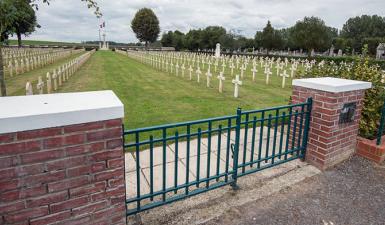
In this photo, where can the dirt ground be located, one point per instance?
(350, 193)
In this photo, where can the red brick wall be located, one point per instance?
(370, 150)
(329, 142)
(67, 175)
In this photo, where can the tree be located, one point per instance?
(178, 40)
(193, 39)
(166, 39)
(360, 27)
(145, 25)
(8, 15)
(174, 39)
(372, 43)
(211, 36)
(25, 22)
(312, 33)
(269, 38)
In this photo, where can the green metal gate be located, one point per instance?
(175, 161)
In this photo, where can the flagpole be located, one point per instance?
(100, 38)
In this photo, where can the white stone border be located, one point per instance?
(21, 113)
(331, 84)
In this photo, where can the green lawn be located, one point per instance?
(153, 97)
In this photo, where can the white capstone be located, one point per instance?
(331, 84)
(21, 113)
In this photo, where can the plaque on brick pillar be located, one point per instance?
(337, 105)
(348, 112)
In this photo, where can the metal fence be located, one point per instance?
(382, 125)
(179, 160)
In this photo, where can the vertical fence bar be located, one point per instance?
(282, 131)
(164, 166)
(261, 139)
(137, 170)
(152, 167)
(275, 135)
(187, 158)
(199, 155)
(307, 125)
(228, 149)
(253, 141)
(245, 142)
(300, 129)
(382, 124)
(219, 149)
(208, 154)
(294, 131)
(176, 163)
(236, 150)
(268, 138)
(288, 132)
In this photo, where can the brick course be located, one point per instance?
(329, 141)
(63, 175)
(370, 150)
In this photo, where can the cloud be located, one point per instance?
(70, 20)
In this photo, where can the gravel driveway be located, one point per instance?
(350, 193)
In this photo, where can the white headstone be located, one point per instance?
(218, 50)
(28, 89)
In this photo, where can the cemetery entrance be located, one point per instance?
(171, 162)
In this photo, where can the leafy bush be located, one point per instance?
(359, 69)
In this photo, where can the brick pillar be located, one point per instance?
(332, 139)
(68, 173)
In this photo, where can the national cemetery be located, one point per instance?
(110, 133)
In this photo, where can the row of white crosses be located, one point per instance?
(59, 75)
(190, 69)
(10, 53)
(26, 62)
(179, 62)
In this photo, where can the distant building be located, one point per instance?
(167, 48)
(380, 51)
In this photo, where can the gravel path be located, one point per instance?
(350, 193)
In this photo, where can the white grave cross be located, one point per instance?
(236, 83)
(221, 78)
(284, 75)
(208, 75)
(268, 73)
(254, 70)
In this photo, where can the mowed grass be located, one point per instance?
(153, 97)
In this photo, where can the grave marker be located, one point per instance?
(208, 75)
(236, 83)
(221, 78)
(284, 75)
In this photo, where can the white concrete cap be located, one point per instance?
(331, 84)
(21, 113)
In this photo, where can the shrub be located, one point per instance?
(359, 69)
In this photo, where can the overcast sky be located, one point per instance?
(70, 20)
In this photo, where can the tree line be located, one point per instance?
(307, 34)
